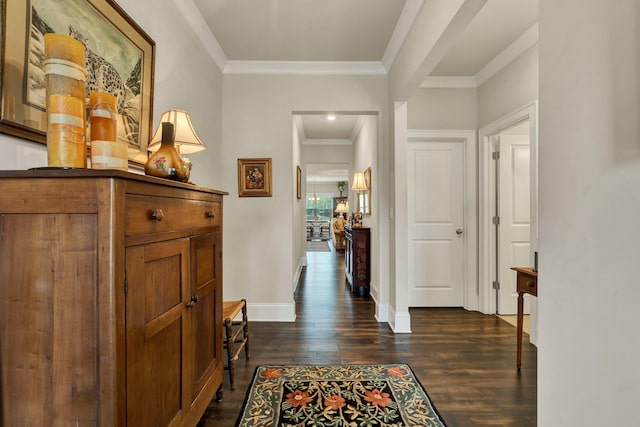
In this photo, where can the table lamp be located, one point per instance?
(359, 185)
(186, 140)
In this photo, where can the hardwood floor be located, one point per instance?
(465, 360)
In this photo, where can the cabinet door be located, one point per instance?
(156, 327)
(206, 314)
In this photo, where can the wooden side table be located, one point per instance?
(527, 283)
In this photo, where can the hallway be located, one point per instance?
(465, 360)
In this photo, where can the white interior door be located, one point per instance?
(436, 223)
(514, 212)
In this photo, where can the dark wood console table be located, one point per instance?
(527, 283)
(357, 259)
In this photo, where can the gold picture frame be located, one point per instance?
(298, 182)
(364, 197)
(125, 53)
(254, 177)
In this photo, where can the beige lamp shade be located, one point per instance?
(359, 183)
(186, 139)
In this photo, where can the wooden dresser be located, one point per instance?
(357, 259)
(110, 299)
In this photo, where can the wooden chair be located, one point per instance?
(233, 329)
(324, 232)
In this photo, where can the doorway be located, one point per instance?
(512, 214)
(441, 219)
(508, 207)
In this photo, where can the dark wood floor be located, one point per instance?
(465, 360)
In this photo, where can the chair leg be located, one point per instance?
(245, 326)
(230, 353)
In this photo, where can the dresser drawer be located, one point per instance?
(149, 214)
(528, 284)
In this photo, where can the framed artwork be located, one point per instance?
(119, 59)
(254, 177)
(298, 182)
(364, 197)
(367, 198)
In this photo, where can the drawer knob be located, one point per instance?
(157, 215)
(211, 214)
(531, 284)
(194, 299)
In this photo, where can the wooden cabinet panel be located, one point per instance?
(206, 351)
(97, 328)
(358, 259)
(48, 340)
(157, 291)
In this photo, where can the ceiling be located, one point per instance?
(350, 31)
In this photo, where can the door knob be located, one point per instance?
(459, 231)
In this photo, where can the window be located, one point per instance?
(320, 205)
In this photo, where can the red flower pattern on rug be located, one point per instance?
(337, 395)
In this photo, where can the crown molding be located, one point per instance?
(357, 128)
(196, 21)
(299, 127)
(306, 68)
(504, 58)
(449, 82)
(327, 142)
(408, 16)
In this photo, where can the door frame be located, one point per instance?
(470, 215)
(486, 197)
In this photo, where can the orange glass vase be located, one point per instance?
(65, 97)
(167, 162)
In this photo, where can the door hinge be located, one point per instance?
(496, 220)
(126, 286)
(495, 155)
(496, 285)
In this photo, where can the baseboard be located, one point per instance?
(382, 313)
(271, 312)
(401, 322)
(296, 278)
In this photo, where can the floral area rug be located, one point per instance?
(337, 395)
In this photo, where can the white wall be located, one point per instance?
(443, 109)
(298, 238)
(588, 372)
(257, 123)
(515, 86)
(185, 78)
(508, 91)
(365, 156)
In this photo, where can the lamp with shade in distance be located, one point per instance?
(359, 185)
(342, 208)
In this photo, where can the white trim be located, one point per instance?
(468, 139)
(271, 312)
(449, 82)
(508, 55)
(196, 21)
(401, 323)
(513, 51)
(327, 142)
(486, 258)
(300, 127)
(382, 313)
(306, 68)
(357, 128)
(408, 16)
(298, 273)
